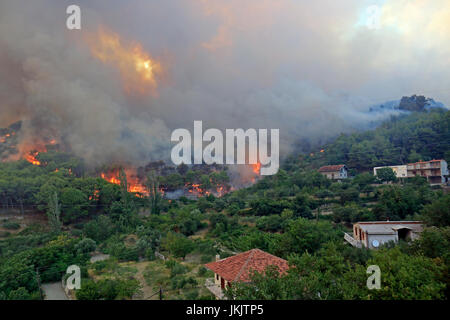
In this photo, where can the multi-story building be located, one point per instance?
(436, 171)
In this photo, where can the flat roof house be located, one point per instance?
(334, 172)
(240, 267)
(399, 170)
(372, 234)
(435, 171)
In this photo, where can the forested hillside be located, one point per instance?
(400, 140)
(55, 214)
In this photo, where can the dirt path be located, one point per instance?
(147, 291)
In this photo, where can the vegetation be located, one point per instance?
(297, 214)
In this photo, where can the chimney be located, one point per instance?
(217, 257)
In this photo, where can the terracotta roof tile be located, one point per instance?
(241, 266)
(332, 168)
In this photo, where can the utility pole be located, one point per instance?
(160, 293)
(38, 279)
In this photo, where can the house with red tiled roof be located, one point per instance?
(334, 172)
(240, 267)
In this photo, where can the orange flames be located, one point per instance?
(30, 150)
(256, 168)
(195, 188)
(6, 136)
(112, 179)
(133, 183)
(138, 69)
(31, 158)
(31, 153)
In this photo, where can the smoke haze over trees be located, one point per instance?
(309, 69)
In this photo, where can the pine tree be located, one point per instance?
(152, 184)
(54, 213)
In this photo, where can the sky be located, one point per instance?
(308, 68)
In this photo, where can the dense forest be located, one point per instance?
(297, 214)
(402, 139)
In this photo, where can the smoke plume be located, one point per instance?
(307, 68)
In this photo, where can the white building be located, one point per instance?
(401, 171)
(372, 234)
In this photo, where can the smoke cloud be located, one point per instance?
(307, 68)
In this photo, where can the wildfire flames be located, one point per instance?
(256, 168)
(133, 183)
(198, 191)
(30, 151)
(31, 158)
(138, 69)
(4, 138)
(195, 188)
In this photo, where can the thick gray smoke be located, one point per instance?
(307, 68)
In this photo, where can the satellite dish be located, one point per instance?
(375, 243)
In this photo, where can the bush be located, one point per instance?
(202, 271)
(150, 255)
(21, 294)
(107, 289)
(178, 269)
(118, 249)
(180, 282)
(76, 232)
(85, 246)
(11, 225)
(4, 234)
(99, 229)
(206, 259)
(100, 265)
(192, 294)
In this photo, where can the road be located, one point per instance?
(54, 291)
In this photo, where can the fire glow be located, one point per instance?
(31, 153)
(138, 69)
(133, 183)
(31, 157)
(256, 168)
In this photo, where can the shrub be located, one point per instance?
(11, 225)
(150, 255)
(192, 294)
(202, 271)
(178, 269)
(85, 246)
(4, 234)
(206, 259)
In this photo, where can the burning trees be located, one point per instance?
(9, 141)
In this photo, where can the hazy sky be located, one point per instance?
(305, 67)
